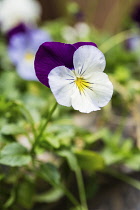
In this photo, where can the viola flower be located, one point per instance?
(13, 12)
(23, 44)
(74, 73)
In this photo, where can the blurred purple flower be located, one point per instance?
(133, 43)
(23, 44)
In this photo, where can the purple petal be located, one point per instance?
(17, 47)
(51, 55)
(79, 44)
(21, 28)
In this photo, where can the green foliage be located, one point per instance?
(14, 154)
(50, 196)
(90, 161)
(49, 173)
(71, 159)
(25, 194)
(11, 129)
(11, 199)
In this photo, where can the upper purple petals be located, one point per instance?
(21, 28)
(79, 44)
(51, 55)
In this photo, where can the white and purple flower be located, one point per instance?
(74, 73)
(23, 43)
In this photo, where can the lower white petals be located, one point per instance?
(97, 95)
(61, 84)
(102, 88)
(83, 102)
(87, 96)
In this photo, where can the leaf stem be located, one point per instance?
(43, 128)
(70, 196)
(30, 118)
(81, 188)
(127, 179)
(114, 40)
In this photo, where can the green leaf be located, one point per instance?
(53, 141)
(50, 196)
(14, 154)
(11, 129)
(90, 161)
(90, 138)
(71, 159)
(133, 162)
(50, 173)
(11, 199)
(111, 156)
(25, 194)
(2, 176)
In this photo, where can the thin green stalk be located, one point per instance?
(65, 190)
(30, 118)
(129, 180)
(43, 127)
(67, 193)
(81, 188)
(114, 40)
(70, 196)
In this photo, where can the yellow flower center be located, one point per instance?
(82, 84)
(29, 56)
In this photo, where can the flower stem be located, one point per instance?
(64, 188)
(125, 178)
(70, 196)
(114, 40)
(81, 188)
(43, 128)
(29, 117)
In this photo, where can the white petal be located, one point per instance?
(61, 84)
(83, 102)
(97, 95)
(88, 59)
(102, 88)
